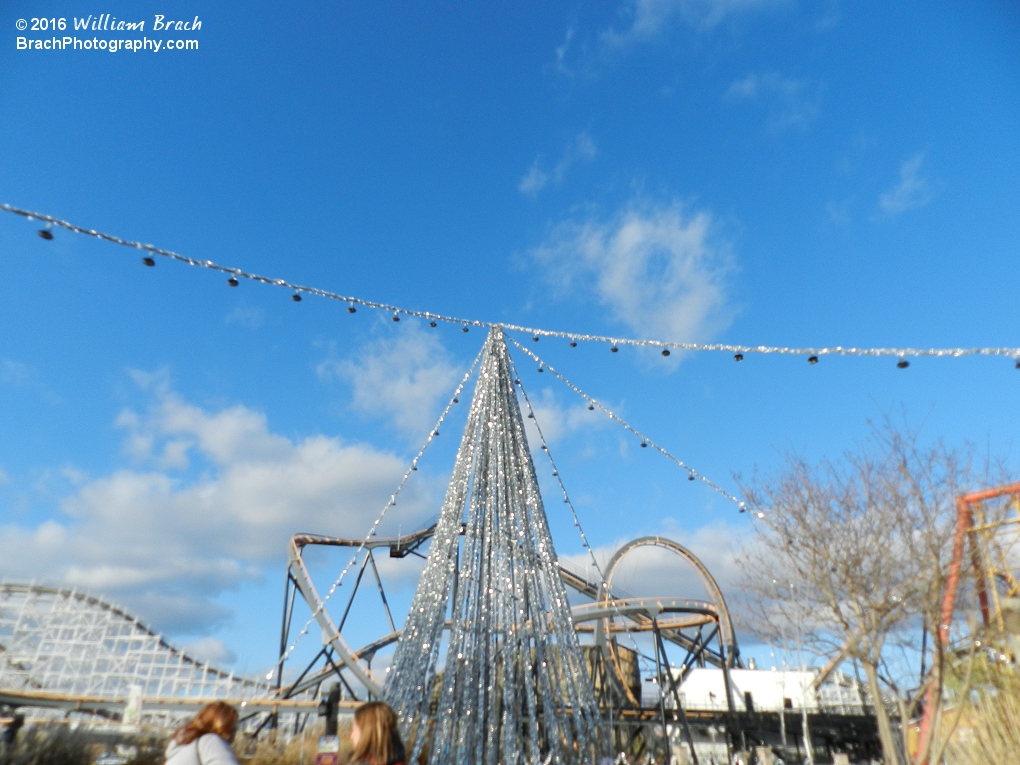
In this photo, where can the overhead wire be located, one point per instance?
(592, 401)
(454, 399)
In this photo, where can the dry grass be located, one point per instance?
(57, 745)
(47, 745)
(988, 730)
(276, 750)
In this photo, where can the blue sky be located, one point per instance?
(743, 171)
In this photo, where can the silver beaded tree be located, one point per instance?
(513, 687)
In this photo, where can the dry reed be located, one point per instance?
(988, 727)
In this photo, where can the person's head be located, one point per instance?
(219, 718)
(374, 735)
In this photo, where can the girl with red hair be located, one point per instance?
(206, 739)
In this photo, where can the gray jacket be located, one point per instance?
(209, 749)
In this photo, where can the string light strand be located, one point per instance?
(603, 585)
(556, 475)
(665, 346)
(691, 472)
(454, 399)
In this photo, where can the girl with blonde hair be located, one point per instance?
(375, 737)
(206, 739)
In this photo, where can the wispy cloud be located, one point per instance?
(556, 419)
(581, 149)
(403, 379)
(167, 543)
(246, 316)
(534, 180)
(831, 14)
(789, 102)
(562, 51)
(647, 18)
(660, 270)
(17, 374)
(913, 190)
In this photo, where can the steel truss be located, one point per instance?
(701, 629)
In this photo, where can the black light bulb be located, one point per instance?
(690, 477)
(665, 351)
(902, 363)
(573, 343)
(591, 407)
(456, 400)
(232, 281)
(296, 297)
(812, 359)
(396, 318)
(534, 339)
(351, 308)
(614, 349)
(738, 357)
(644, 445)
(46, 234)
(540, 369)
(432, 324)
(464, 328)
(148, 261)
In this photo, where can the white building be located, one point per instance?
(766, 690)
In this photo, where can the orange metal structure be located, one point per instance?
(973, 527)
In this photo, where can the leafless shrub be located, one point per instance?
(850, 560)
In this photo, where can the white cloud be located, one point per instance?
(912, 190)
(830, 17)
(212, 650)
(790, 102)
(404, 379)
(533, 181)
(246, 316)
(20, 375)
(555, 419)
(561, 51)
(660, 270)
(15, 373)
(581, 149)
(656, 571)
(650, 17)
(167, 544)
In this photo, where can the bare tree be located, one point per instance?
(850, 559)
